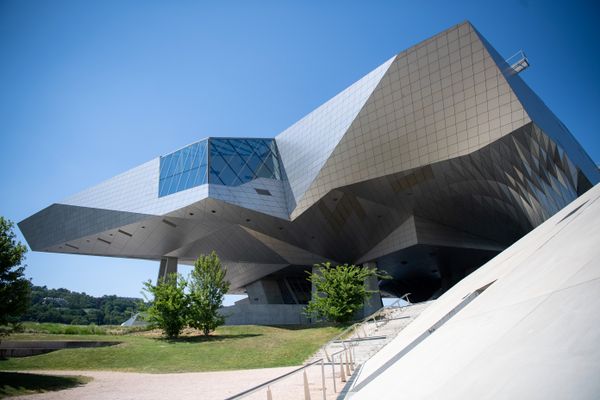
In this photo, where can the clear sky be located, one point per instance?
(89, 89)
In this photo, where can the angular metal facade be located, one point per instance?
(428, 166)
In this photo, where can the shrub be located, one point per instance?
(340, 291)
(207, 288)
(168, 311)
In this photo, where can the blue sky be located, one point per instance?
(89, 89)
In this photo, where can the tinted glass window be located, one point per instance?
(237, 161)
(232, 163)
(183, 169)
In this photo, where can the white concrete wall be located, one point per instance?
(533, 334)
(264, 314)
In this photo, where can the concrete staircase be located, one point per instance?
(367, 337)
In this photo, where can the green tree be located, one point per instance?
(168, 310)
(340, 291)
(14, 287)
(207, 288)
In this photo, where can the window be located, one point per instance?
(219, 161)
(237, 161)
(183, 169)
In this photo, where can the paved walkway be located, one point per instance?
(194, 385)
(184, 386)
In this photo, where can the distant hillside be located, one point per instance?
(67, 307)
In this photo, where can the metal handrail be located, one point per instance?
(272, 381)
(348, 364)
(366, 319)
(288, 374)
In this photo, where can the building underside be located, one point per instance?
(427, 167)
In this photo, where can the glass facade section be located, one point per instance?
(237, 161)
(220, 161)
(183, 169)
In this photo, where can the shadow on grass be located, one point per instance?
(16, 383)
(209, 338)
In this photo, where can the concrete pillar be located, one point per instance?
(374, 302)
(264, 291)
(168, 265)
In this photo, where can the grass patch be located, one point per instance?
(230, 347)
(17, 384)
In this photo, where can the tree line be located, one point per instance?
(69, 307)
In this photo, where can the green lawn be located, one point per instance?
(17, 384)
(230, 347)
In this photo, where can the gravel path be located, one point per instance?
(194, 385)
(129, 385)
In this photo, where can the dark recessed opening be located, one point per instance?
(281, 228)
(335, 199)
(213, 211)
(247, 219)
(124, 233)
(379, 216)
(312, 237)
(143, 227)
(403, 262)
(171, 224)
(87, 240)
(263, 192)
(191, 213)
(572, 212)
(103, 240)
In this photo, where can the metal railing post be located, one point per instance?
(342, 374)
(269, 394)
(347, 367)
(333, 374)
(323, 379)
(306, 390)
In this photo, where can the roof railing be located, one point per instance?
(518, 62)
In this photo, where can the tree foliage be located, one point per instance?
(207, 287)
(69, 307)
(340, 291)
(14, 287)
(168, 310)
(173, 308)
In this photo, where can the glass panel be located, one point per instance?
(183, 169)
(237, 161)
(214, 177)
(232, 162)
(164, 166)
(183, 183)
(228, 177)
(245, 174)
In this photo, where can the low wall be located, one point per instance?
(264, 314)
(28, 348)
